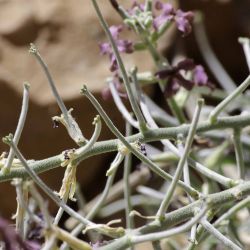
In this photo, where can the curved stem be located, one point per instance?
(70, 123)
(218, 109)
(121, 107)
(19, 129)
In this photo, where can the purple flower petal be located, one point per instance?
(167, 14)
(105, 48)
(125, 46)
(115, 31)
(186, 64)
(163, 74)
(200, 76)
(114, 65)
(187, 84)
(183, 21)
(172, 87)
(175, 79)
(136, 5)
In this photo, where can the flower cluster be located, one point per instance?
(174, 77)
(182, 19)
(164, 13)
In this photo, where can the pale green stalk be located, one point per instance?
(245, 42)
(21, 197)
(239, 154)
(165, 234)
(121, 107)
(127, 189)
(19, 129)
(70, 123)
(217, 234)
(231, 212)
(218, 109)
(166, 201)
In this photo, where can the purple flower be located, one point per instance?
(124, 46)
(135, 5)
(200, 77)
(182, 19)
(167, 14)
(175, 79)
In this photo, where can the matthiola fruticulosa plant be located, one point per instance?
(192, 200)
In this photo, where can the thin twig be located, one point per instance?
(238, 153)
(121, 107)
(238, 121)
(166, 201)
(218, 109)
(70, 123)
(19, 129)
(223, 239)
(127, 189)
(245, 42)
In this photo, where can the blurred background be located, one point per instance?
(67, 35)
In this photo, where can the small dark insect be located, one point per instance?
(55, 124)
(142, 148)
